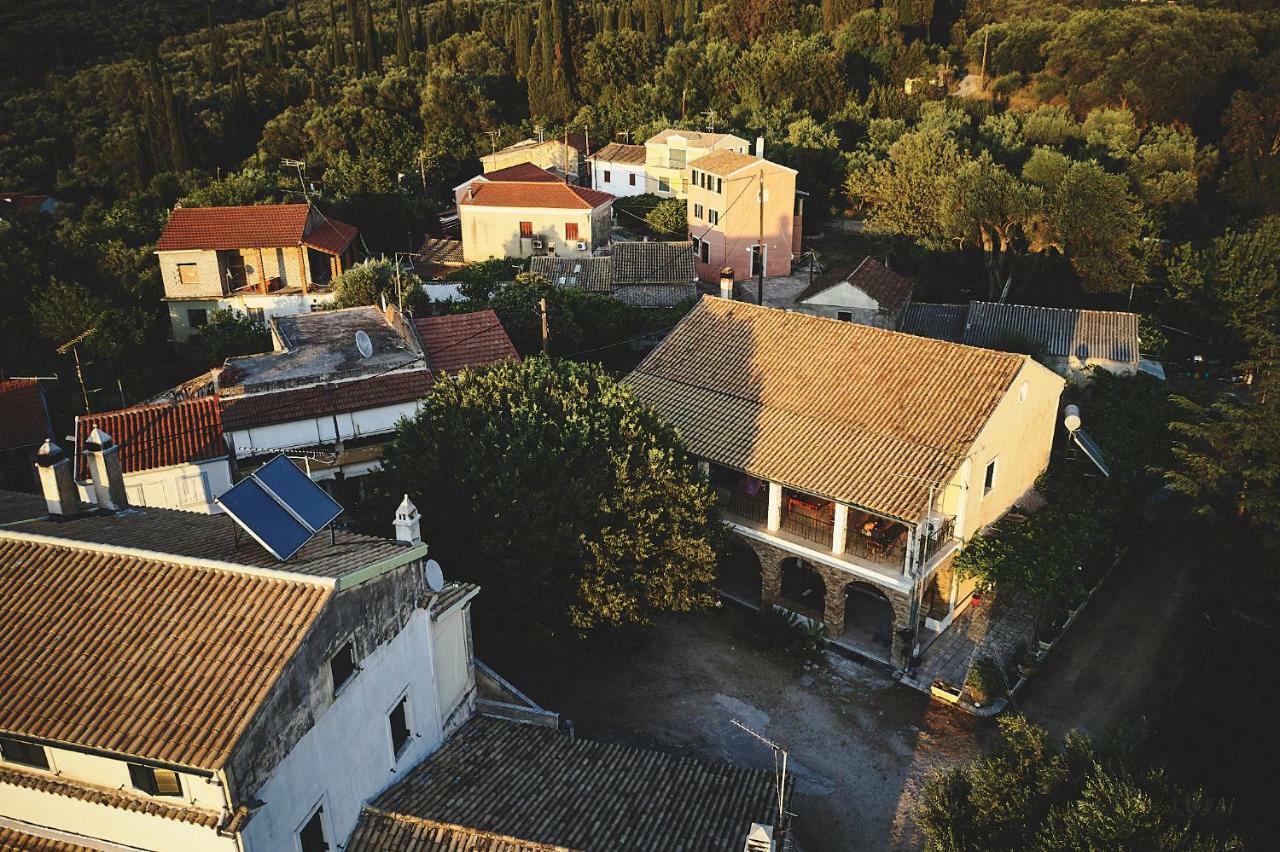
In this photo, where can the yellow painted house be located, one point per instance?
(669, 153)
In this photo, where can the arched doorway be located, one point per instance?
(738, 572)
(802, 588)
(868, 619)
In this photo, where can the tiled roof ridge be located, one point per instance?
(175, 559)
(526, 845)
(60, 785)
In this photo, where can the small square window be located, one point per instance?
(189, 273)
(342, 666)
(664, 185)
(311, 836)
(398, 719)
(632, 178)
(608, 176)
(526, 230)
(197, 317)
(155, 782)
(24, 754)
(844, 316)
(989, 481)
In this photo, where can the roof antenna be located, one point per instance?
(780, 765)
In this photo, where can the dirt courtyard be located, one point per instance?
(860, 744)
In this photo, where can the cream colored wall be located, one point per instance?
(211, 283)
(133, 828)
(455, 666)
(1019, 435)
(658, 155)
(284, 263)
(489, 232)
(550, 154)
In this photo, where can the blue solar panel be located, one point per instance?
(296, 490)
(265, 519)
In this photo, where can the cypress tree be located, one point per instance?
(335, 37)
(404, 34)
(268, 58)
(419, 35)
(353, 21)
(373, 58)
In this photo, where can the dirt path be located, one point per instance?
(860, 744)
(1123, 655)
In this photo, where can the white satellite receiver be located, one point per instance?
(435, 577)
(363, 343)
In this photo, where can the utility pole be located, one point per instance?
(986, 37)
(546, 340)
(760, 247)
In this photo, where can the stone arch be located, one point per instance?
(802, 587)
(739, 572)
(870, 618)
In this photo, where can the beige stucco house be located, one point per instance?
(526, 218)
(868, 292)
(725, 211)
(669, 153)
(562, 156)
(853, 463)
(264, 260)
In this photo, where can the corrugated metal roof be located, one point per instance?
(141, 657)
(1063, 332)
(941, 322)
(503, 785)
(856, 414)
(161, 435)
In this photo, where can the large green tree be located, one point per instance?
(566, 498)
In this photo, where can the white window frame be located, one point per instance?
(992, 468)
(326, 824)
(713, 216)
(697, 212)
(409, 722)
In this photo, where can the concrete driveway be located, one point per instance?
(860, 744)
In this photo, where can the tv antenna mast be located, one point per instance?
(73, 346)
(301, 167)
(780, 766)
(710, 115)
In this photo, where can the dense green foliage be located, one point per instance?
(230, 333)
(628, 534)
(1031, 794)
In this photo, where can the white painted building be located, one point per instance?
(239, 703)
(619, 170)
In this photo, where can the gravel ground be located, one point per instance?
(860, 744)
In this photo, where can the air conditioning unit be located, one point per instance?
(759, 839)
(537, 244)
(582, 246)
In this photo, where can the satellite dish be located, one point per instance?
(435, 577)
(363, 343)
(1072, 418)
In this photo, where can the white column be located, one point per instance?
(911, 551)
(840, 529)
(959, 528)
(775, 507)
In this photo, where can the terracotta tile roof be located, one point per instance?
(848, 412)
(330, 236)
(502, 785)
(724, 163)
(254, 226)
(24, 420)
(1063, 332)
(941, 322)
(617, 152)
(441, 250)
(451, 595)
(12, 840)
(284, 406)
(141, 657)
(455, 342)
(173, 809)
(890, 290)
(534, 195)
(593, 274)
(174, 534)
(151, 436)
(522, 173)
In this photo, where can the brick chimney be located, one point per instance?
(103, 458)
(408, 522)
(57, 480)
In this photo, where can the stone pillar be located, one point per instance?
(770, 581)
(833, 604)
(840, 529)
(775, 507)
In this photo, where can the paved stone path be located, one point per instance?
(994, 628)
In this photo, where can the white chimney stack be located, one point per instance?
(759, 838)
(726, 283)
(759, 146)
(57, 480)
(103, 457)
(408, 522)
